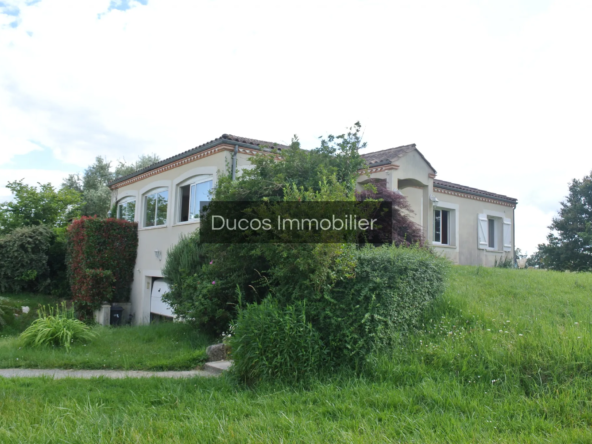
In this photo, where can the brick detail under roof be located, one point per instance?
(454, 189)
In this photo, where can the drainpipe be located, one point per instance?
(514, 236)
(233, 168)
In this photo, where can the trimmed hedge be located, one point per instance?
(23, 259)
(94, 247)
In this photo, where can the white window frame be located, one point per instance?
(188, 175)
(194, 180)
(453, 218)
(150, 192)
(123, 201)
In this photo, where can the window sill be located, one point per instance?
(152, 228)
(452, 247)
(189, 222)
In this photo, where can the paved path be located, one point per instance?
(86, 374)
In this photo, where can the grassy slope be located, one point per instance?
(460, 380)
(165, 346)
(22, 321)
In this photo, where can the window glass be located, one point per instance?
(156, 205)
(185, 193)
(442, 226)
(445, 227)
(191, 195)
(437, 226)
(491, 230)
(126, 210)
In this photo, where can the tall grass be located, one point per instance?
(532, 328)
(459, 380)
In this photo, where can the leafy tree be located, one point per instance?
(123, 169)
(93, 183)
(569, 245)
(42, 205)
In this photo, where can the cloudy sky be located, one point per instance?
(497, 94)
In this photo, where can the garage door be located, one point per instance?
(157, 305)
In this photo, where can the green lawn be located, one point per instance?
(462, 379)
(164, 346)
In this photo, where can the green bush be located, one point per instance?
(203, 290)
(274, 343)
(101, 244)
(6, 312)
(55, 326)
(390, 290)
(23, 260)
(56, 260)
(97, 288)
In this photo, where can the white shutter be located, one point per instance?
(482, 231)
(507, 234)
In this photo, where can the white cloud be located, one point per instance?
(30, 177)
(495, 95)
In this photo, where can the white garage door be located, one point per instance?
(157, 305)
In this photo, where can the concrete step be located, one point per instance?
(217, 367)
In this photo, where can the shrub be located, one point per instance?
(98, 287)
(390, 290)
(56, 260)
(23, 259)
(57, 327)
(101, 244)
(504, 262)
(6, 312)
(270, 342)
(184, 259)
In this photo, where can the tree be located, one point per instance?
(93, 183)
(42, 205)
(569, 244)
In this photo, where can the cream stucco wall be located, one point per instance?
(466, 249)
(154, 242)
(413, 177)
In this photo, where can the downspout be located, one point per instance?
(233, 168)
(514, 237)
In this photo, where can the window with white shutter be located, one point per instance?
(507, 234)
(482, 231)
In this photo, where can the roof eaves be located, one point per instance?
(426, 160)
(475, 192)
(378, 163)
(219, 141)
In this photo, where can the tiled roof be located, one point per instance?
(225, 138)
(469, 190)
(259, 143)
(391, 155)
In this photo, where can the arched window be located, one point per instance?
(126, 209)
(156, 203)
(190, 193)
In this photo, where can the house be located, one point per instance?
(468, 225)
